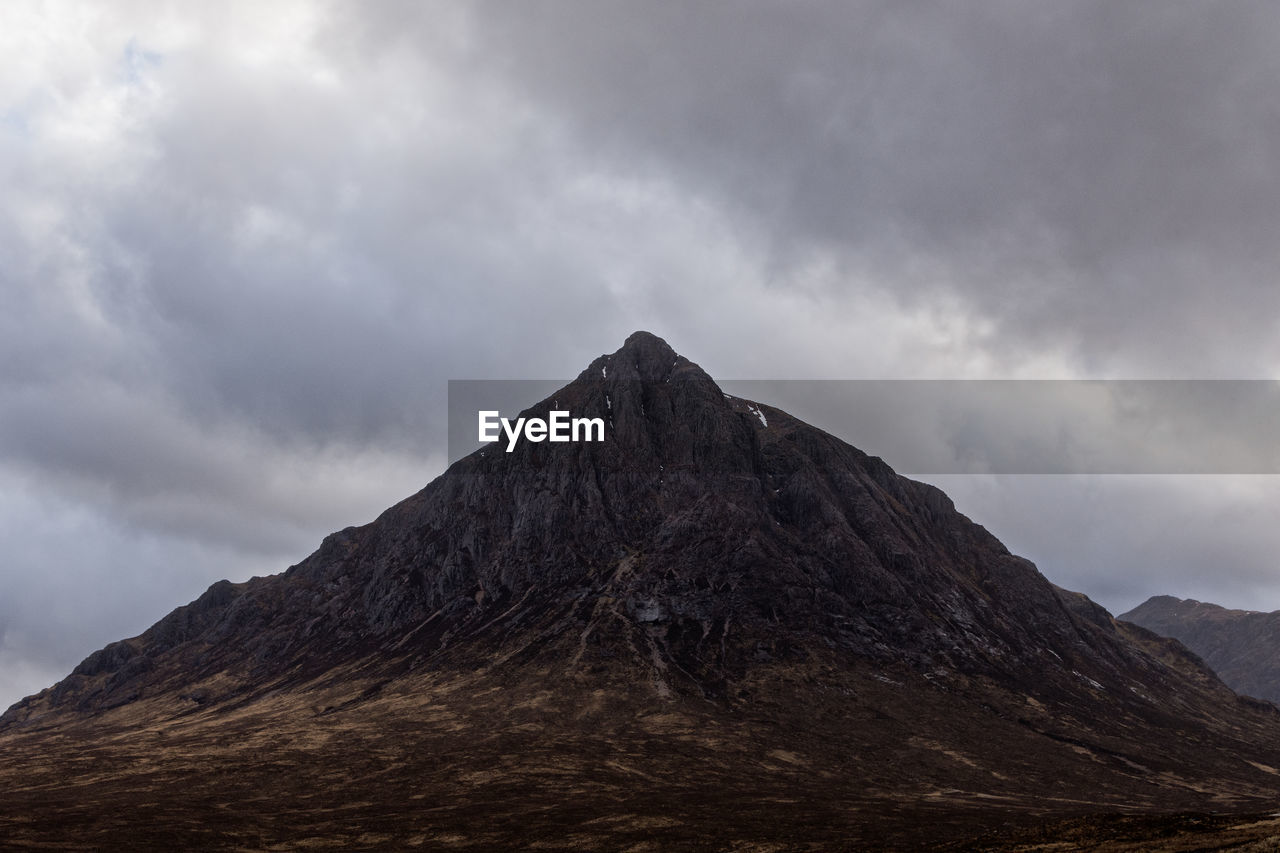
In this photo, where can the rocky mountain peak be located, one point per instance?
(643, 357)
(715, 575)
(1241, 646)
(703, 535)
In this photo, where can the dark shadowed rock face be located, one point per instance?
(1241, 646)
(704, 535)
(713, 565)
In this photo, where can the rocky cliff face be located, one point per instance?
(1241, 646)
(844, 634)
(704, 535)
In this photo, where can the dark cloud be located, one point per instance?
(1093, 173)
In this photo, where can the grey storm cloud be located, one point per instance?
(243, 249)
(1099, 174)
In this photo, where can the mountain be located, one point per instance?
(719, 628)
(1241, 646)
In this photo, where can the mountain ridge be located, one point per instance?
(1242, 646)
(392, 601)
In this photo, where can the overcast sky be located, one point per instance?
(244, 246)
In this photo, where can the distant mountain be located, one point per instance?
(1241, 646)
(719, 627)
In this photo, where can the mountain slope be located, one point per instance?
(1242, 646)
(719, 620)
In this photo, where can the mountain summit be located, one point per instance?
(719, 622)
(1242, 646)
